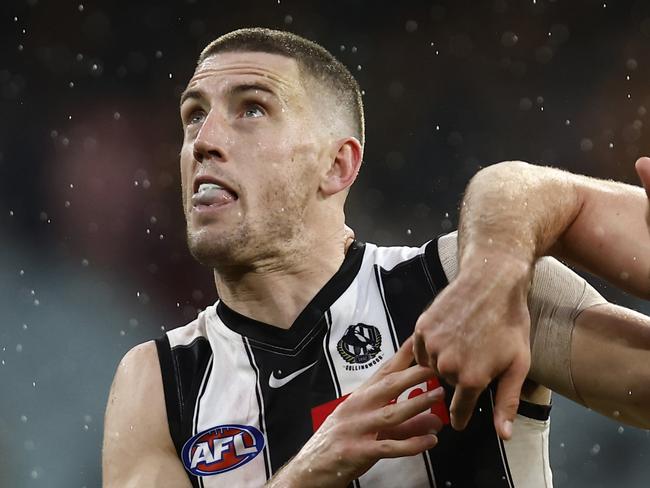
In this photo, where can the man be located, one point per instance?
(512, 213)
(301, 374)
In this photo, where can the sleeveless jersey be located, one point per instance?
(243, 397)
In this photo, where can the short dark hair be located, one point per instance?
(313, 60)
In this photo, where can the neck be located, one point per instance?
(277, 290)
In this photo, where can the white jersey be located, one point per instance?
(243, 397)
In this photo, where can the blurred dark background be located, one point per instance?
(92, 249)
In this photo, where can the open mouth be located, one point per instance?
(211, 194)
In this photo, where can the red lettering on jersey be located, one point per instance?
(321, 412)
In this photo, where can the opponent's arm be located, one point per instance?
(594, 352)
(366, 428)
(526, 211)
(138, 451)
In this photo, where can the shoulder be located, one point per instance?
(136, 393)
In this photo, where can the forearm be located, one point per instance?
(517, 208)
(527, 211)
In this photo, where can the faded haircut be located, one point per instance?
(313, 60)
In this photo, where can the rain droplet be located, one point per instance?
(19, 348)
(80, 7)
(71, 84)
(620, 429)
(595, 449)
(170, 76)
(84, 262)
(122, 333)
(116, 116)
(23, 419)
(408, 232)
(85, 426)
(22, 272)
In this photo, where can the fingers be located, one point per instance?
(402, 359)
(462, 405)
(643, 170)
(389, 448)
(507, 397)
(424, 423)
(394, 414)
(390, 386)
(420, 349)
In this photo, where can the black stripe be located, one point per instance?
(473, 457)
(288, 408)
(260, 408)
(172, 396)
(389, 321)
(534, 410)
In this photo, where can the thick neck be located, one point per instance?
(277, 290)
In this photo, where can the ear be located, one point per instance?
(345, 163)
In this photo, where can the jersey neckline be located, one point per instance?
(309, 317)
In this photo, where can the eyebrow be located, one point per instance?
(233, 90)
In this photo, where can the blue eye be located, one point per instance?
(195, 117)
(254, 112)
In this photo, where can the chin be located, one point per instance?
(217, 249)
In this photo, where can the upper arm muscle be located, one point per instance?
(138, 450)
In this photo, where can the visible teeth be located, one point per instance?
(209, 186)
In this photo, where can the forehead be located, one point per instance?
(222, 69)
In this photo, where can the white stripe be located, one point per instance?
(197, 404)
(501, 451)
(258, 387)
(330, 362)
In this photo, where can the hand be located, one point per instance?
(368, 426)
(476, 330)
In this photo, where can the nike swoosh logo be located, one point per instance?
(280, 382)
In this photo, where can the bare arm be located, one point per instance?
(138, 450)
(528, 211)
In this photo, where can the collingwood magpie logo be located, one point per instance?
(360, 347)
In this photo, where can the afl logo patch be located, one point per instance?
(222, 448)
(360, 346)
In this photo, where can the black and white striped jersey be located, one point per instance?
(243, 397)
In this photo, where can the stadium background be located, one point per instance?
(92, 251)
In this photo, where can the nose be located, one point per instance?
(209, 143)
